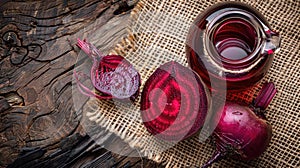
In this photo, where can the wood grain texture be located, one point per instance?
(39, 125)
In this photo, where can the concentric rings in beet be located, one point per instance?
(174, 102)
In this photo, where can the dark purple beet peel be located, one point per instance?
(242, 131)
(174, 102)
(112, 75)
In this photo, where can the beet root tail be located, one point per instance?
(216, 157)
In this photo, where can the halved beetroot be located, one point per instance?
(174, 102)
(112, 75)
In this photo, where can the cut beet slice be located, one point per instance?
(174, 102)
(112, 75)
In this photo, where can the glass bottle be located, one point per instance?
(231, 44)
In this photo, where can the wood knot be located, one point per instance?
(10, 38)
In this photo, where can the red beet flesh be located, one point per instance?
(112, 75)
(174, 102)
(243, 132)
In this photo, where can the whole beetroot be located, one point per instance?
(242, 131)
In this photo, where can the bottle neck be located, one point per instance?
(234, 38)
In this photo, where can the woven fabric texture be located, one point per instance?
(157, 34)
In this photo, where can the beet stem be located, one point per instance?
(265, 96)
(83, 45)
(216, 157)
(89, 49)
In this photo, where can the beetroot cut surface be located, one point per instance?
(112, 75)
(174, 102)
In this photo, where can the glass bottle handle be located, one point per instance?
(272, 44)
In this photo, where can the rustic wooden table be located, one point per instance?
(38, 123)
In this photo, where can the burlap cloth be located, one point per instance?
(157, 34)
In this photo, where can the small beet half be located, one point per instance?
(174, 102)
(111, 75)
(242, 131)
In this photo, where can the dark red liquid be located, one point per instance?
(225, 46)
(235, 39)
